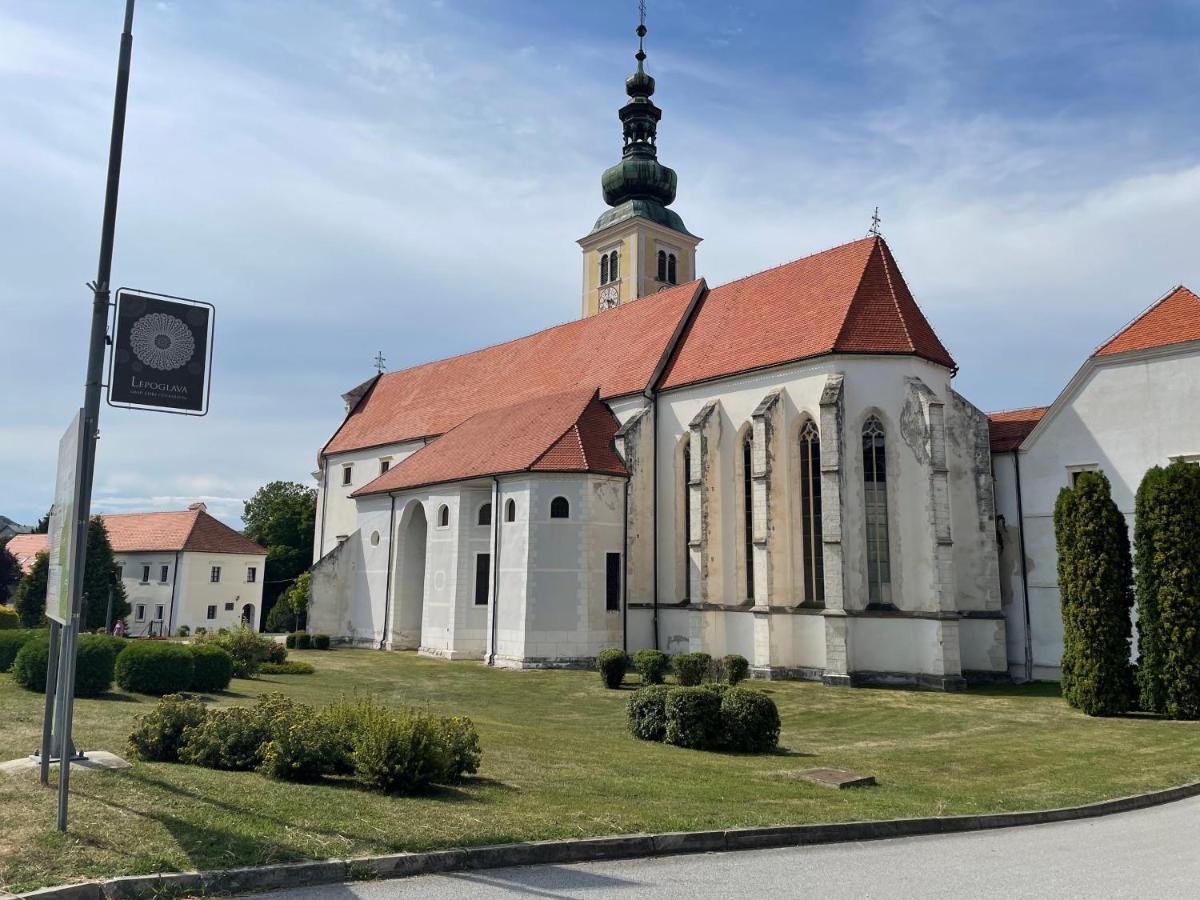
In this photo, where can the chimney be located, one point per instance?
(199, 506)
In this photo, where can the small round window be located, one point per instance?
(374, 538)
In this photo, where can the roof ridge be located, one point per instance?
(857, 286)
(887, 274)
(1017, 409)
(1145, 312)
(554, 443)
(793, 262)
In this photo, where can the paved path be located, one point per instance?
(1150, 853)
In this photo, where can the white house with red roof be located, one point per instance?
(776, 467)
(1131, 406)
(179, 568)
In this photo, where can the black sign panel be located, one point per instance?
(162, 350)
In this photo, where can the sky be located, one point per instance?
(410, 176)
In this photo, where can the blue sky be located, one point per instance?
(361, 175)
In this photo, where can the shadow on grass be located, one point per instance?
(1030, 689)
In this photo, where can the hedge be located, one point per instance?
(9, 618)
(94, 659)
(290, 667)
(157, 735)
(611, 665)
(708, 717)
(648, 713)
(320, 642)
(691, 668)
(155, 667)
(230, 739)
(651, 665)
(1095, 573)
(693, 717)
(749, 721)
(11, 642)
(212, 667)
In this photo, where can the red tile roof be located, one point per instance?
(569, 432)
(851, 299)
(616, 351)
(25, 547)
(1010, 427)
(1172, 320)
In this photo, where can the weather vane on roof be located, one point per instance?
(874, 229)
(379, 361)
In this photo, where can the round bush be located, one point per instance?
(276, 653)
(94, 656)
(11, 643)
(29, 666)
(289, 641)
(651, 665)
(648, 713)
(734, 668)
(691, 668)
(303, 640)
(320, 642)
(301, 748)
(155, 667)
(212, 667)
(693, 717)
(183, 631)
(9, 619)
(611, 664)
(157, 735)
(749, 721)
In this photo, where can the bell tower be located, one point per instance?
(638, 246)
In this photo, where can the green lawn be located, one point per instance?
(558, 761)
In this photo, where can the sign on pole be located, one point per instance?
(162, 353)
(59, 580)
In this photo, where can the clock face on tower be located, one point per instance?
(609, 297)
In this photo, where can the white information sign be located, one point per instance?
(62, 524)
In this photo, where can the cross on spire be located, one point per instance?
(380, 361)
(874, 229)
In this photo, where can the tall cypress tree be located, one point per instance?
(1095, 583)
(1168, 545)
(99, 577)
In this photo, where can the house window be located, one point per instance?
(687, 519)
(443, 516)
(748, 511)
(347, 475)
(510, 511)
(214, 574)
(604, 269)
(120, 571)
(560, 508)
(145, 574)
(212, 612)
(229, 607)
(1192, 459)
(251, 574)
(612, 581)
(162, 574)
(879, 570)
(812, 553)
(662, 265)
(671, 273)
(483, 578)
(139, 612)
(1074, 472)
(485, 514)
(385, 464)
(158, 612)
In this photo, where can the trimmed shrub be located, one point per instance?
(399, 752)
(155, 667)
(462, 750)
(291, 667)
(94, 660)
(300, 748)
(182, 631)
(277, 653)
(734, 669)
(289, 642)
(1094, 576)
(691, 668)
(201, 631)
(29, 665)
(611, 665)
(9, 619)
(749, 721)
(648, 712)
(651, 665)
(303, 640)
(248, 648)
(320, 642)
(1167, 542)
(157, 735)
(230, 739)
(11, 643)
(693, 716)
(212, 667)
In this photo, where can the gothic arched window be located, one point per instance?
(748, 510)
(614, 266)
(560, 508)
(671, 275)
(443, 516)
(879, 569)
(662, 265)
(812, 553)
(604, 269)
(485, 514)
(510, 511)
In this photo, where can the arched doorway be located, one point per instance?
(409, 588)
(248, 616)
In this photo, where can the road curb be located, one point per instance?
(573, 850)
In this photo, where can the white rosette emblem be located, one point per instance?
(162, 341)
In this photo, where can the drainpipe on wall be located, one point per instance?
(1024, 568)
(387, 588)
(625, 572)
(324, 508)
(496, 516)
(652, 396)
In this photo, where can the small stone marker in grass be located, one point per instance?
(836, 778)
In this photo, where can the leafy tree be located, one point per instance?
(29, 599)
(43, 525)
(281, 516)
(1094, 578)
(1167, 538)
(291, 609)
(10, 572)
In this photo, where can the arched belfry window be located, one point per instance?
(748, 510)
(604, 269)
(560, 508)
(443, 516)
(671, 273)
(485, 514)
(879, 569)
(662, 265)
(614, 266)
(812, 553)
(510, 511)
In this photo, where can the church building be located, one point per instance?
(778, 467)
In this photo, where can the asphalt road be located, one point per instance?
(1150, 853)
